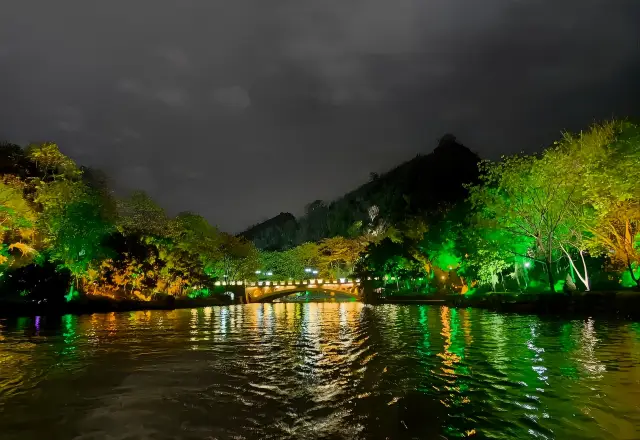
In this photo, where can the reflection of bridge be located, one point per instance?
(267, 291)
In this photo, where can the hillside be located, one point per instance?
(418, 186)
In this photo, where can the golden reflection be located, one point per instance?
(465, 314)
(269, 318)
(112, 324)
(208, 312)
(193, 328)
(139, 317)
(448, 357)
(290, 309)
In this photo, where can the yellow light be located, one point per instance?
(218, 283)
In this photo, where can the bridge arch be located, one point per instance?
(262, 292)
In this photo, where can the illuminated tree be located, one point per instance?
(605, 162)
(529, 198)
(239, 260)
(193, 234)
(77, 235)
(290, 263)
(139, 214)
(337, 256)
(17, 221)
(51, 162)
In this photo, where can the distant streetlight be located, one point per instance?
(527, 264)
(269, 274)
(315, 272)
(258, 272)
(307, 270)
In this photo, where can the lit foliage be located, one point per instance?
(238, 259)
(17, 222)
(529, 199)
(530, 217)
(337, 256)
(609, 176)
(76, 236)
(51, 162)
(283, 265)
(140, 215)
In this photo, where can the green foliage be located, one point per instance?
(199, 293)
(238, 260)
(529, 218)
(51, 162)
(77, 234)
(139, 214)
(71, 295)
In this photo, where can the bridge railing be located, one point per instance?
(302, 282)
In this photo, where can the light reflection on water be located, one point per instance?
(318, 370)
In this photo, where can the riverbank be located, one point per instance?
(103, 305)
(618, 304)
(615, 304)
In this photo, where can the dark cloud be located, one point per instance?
(241, 109)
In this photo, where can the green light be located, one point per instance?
(73, 294)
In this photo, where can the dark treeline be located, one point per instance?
(565, 219)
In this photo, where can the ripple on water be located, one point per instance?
(331, 371)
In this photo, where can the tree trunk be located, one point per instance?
(633, 275)
(574, 269)
(547, 264)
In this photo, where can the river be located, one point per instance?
(318, 371)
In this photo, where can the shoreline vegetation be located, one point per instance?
(554, 231)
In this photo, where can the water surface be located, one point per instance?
(318, 371)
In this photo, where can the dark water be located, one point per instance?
(318, 371)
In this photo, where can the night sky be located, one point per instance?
(241, 109)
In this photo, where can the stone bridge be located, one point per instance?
(267, 291)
